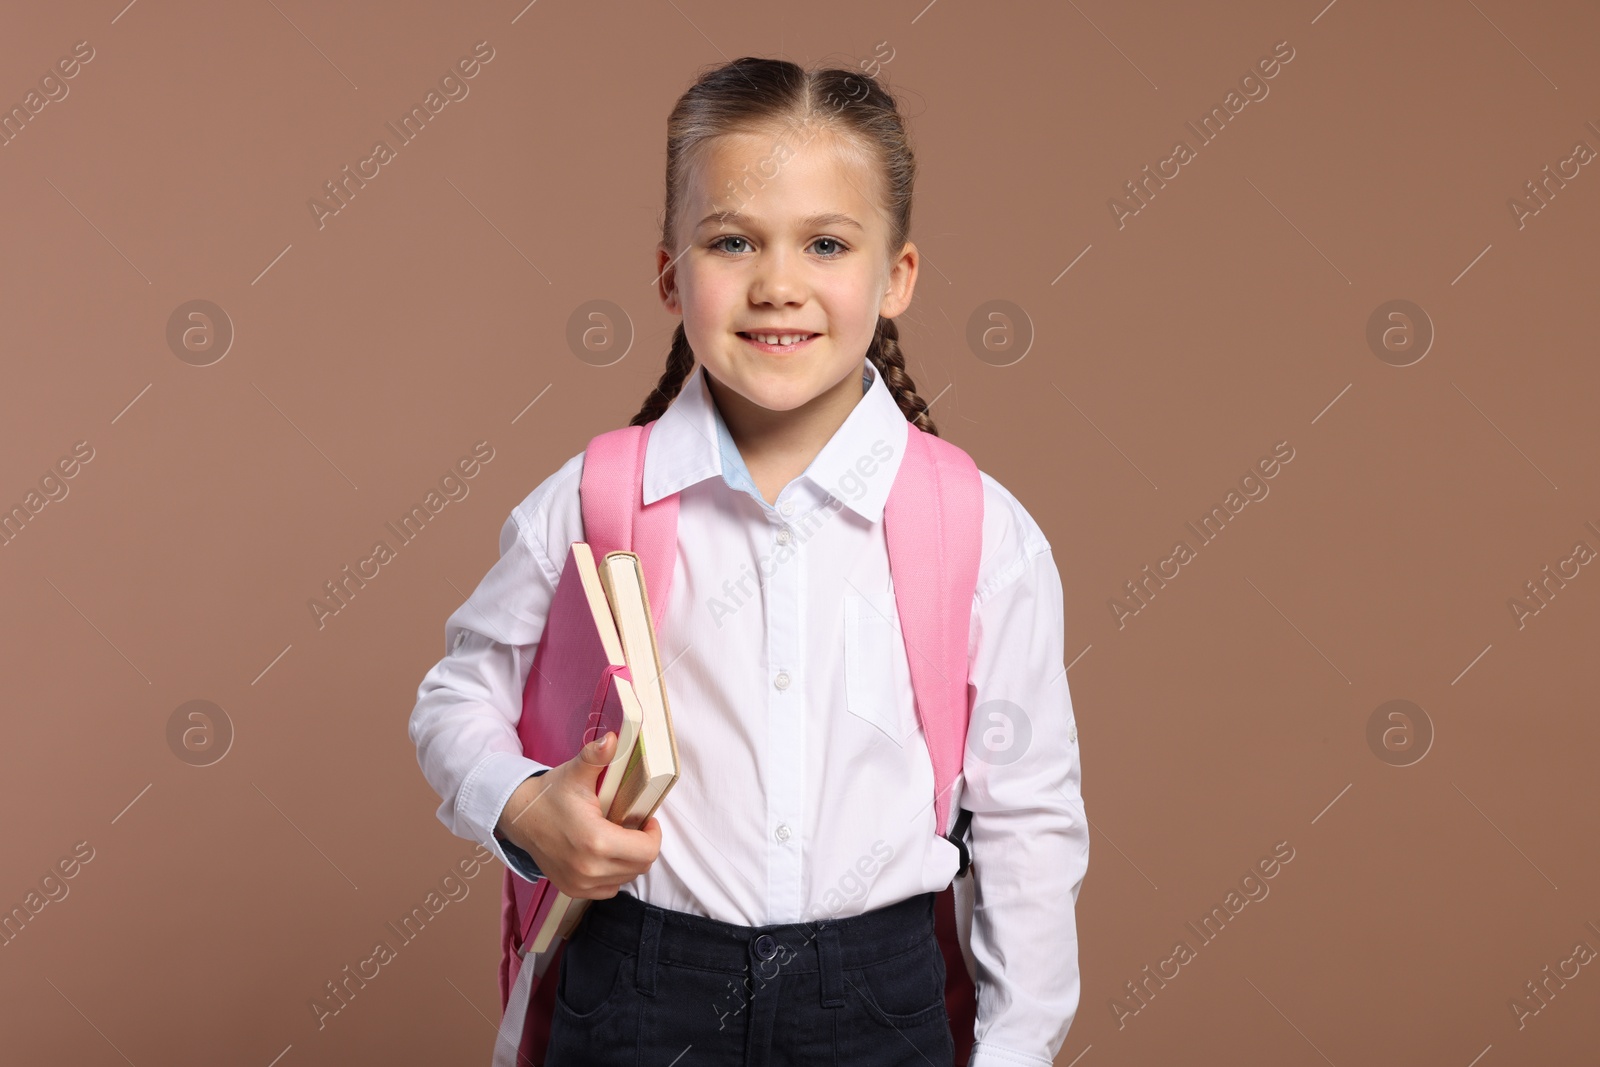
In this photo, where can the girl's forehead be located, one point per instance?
(780, 179)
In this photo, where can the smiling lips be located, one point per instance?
(778, 340)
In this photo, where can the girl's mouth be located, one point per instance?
(765, 346)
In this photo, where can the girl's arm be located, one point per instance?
(469, 704)
(1030, 839)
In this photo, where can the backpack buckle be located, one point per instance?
(957, 838)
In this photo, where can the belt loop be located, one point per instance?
(649, 945)
(830, 965)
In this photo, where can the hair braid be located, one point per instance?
(680, 361)
(891, 363)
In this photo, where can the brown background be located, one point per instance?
(1230, 314)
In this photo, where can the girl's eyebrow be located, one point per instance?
(825, 219)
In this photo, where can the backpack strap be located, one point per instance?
(615, 517)
(933, 523)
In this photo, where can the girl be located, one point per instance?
(779, 907)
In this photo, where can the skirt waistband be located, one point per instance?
(628, 924)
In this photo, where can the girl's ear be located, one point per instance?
(902, 281)
(667, 279)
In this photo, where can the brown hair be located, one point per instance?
(751, 92)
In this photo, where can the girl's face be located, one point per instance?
(802, 252)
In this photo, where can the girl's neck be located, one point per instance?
(778, 446)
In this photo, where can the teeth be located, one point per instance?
(778, 338)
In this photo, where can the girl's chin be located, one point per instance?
(773, 391)
(777, 398)
(778, 382)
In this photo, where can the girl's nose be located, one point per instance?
(777, 280)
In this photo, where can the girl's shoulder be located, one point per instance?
(1011, 537)
(551, 516)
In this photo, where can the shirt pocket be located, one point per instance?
(875, 665)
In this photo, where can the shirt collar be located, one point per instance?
(691, 442)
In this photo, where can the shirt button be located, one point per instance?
(784, 536)
(460, 637)
(782, 833)
(782, 680)
(787, 507)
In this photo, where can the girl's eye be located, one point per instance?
(720, 243)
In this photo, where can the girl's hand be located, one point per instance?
(556, 819)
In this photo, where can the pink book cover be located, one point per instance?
(570, 699)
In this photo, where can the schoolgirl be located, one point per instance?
(778, 908)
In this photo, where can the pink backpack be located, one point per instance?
(933, 523)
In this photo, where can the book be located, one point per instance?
(652, 765)
(579, 687)
(599, 669)
(653, 768)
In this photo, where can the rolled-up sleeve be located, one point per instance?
(1030, 839)
(469, 704)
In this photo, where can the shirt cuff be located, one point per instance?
(987, 1055)
(483, 800)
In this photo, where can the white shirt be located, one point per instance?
(806, 788)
